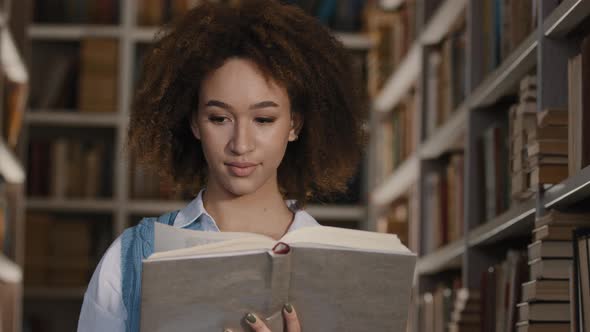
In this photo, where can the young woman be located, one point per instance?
(254, 106)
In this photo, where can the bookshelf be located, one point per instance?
(544, 51)
(13, 84)
(118, 208)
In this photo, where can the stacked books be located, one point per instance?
(523, 120)
(538, 143)
(545, 302)
(466, 314)
(547, 150)
(453, 309)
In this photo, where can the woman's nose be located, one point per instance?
(242, 141)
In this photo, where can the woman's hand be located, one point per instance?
(289, 316)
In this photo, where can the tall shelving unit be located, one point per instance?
(544, 52)
(121, 208)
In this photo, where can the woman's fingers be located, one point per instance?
(256, 323)
(291, 320)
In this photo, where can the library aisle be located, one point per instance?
(478, 115)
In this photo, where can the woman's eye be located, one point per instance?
(217, 119)
(265, 120)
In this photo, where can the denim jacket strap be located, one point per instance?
(137, 243)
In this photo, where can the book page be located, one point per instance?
(346, 238)
(168, 238)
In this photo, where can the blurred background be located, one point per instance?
(478, 157)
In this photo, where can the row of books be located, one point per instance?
(535, 153)
(543, 288)
(75, 76)
(399, 135)
(444, 202)
(450, 308)
(69, 168)
(76, 11)
(393, 33)
(505, 25)
(341, 15)
(445, 77)
(63, 251)
(158, 12)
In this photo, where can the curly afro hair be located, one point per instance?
(289, 46)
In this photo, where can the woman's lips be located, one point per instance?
(241, 171)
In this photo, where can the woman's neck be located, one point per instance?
(263, 211)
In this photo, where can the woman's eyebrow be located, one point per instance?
(262, 104)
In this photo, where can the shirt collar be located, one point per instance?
(195, 209)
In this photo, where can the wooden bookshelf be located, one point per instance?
(489, 93)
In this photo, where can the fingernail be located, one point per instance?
(251, 318)
(288, 307)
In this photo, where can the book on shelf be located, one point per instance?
(445, 73)
(579, 107)
(232, 267)
(68, 168)
(546, 290)
(550, 249)
(392, 33)
(581, 279)
(98, 72)
(75, 11)
(553, 232)
(505, 25)
(501, 290)
(494, 155)
(544, 311)
(528, 326)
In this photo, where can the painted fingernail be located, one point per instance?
(251, 318)
(288, 307)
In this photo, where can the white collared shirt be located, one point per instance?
(103, 308)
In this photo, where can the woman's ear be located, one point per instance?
(296, 125)
(194, 126)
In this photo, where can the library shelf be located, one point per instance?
(442, 21)
(406, 74)
(71, 205)
(566, 17)
(504, 79)
(448, 257)
(71, 118)
(73, 32)
(397, 183)
(54, 293)
(353, 41)
(445, 137)
(319, 212)
(517, 221)
(568, 192)
(398, 84)
(11, 169)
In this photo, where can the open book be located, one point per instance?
(337, 279)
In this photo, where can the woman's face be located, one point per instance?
(244, 124)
